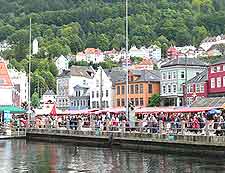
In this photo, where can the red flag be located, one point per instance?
(53, 111)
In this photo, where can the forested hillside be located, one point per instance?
(64, 26)
(69, 26)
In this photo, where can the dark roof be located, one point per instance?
(119, 75)
(221, 61)
(209, 102)
(78, 87)
(202, 77)
(116, 74)
(147, 75)
(49, 92)
(83, 71)
(182, 62)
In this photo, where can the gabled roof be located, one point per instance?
(49, 92)
(181, 61)
(202, 77)
(83, 71)
(5, 80)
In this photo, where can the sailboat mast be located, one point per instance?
(29, 71)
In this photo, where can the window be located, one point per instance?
(149, 88)
(188, 88)
(164, 89)
(182, 75)
(107, 93)
(169, 75)
(218, 82)
(215, 69)
(94, 104)
(169, 88)
(132, 89)
(174, 88)
(136, 89)
(197, 88)
(174, 75)
(97, 83)
(84, 103)
(136, 101)
(78, 103)
(107, 104)
(202, 87)
(123, 89)
(213, 83)
(141, 102)
(84, 82)
(97, 94)
(163, 76)
(97, 104)
(141, 88)
(81, 103)
(118, 102)
(224, 81)
(93, 94)
(181, 87)
(118, 90)
(122, 102)
(132, 101)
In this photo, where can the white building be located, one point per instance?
(208, 42)
(91, 55)
(155, 52)
(101, 79)
(68, 79)
(48, 99)
(35, 47)
(4, 46)
(152, 51)
(6, 86)
(107, 79)
(62, 63)
(20, 84)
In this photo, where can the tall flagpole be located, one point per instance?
(29, 76)
(127, 77)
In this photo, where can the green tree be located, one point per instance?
(154, 100)
(35, 101)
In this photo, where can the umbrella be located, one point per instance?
(214, 111)
(53, 111)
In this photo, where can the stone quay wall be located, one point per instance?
(163, 143)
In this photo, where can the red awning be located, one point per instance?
(172, 109)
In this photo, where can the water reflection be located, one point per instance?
(23, 156)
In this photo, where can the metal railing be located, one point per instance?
(160, 127)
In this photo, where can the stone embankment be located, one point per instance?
(192, 144)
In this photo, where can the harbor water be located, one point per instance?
(40, 157)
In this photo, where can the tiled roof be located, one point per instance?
(4, 76)
(82, 71)
(182, 62)
(202, 77)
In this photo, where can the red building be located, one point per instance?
(197, 87)
(216, 79)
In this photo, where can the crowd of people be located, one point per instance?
(159, 122)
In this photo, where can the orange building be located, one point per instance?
(142, 85)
